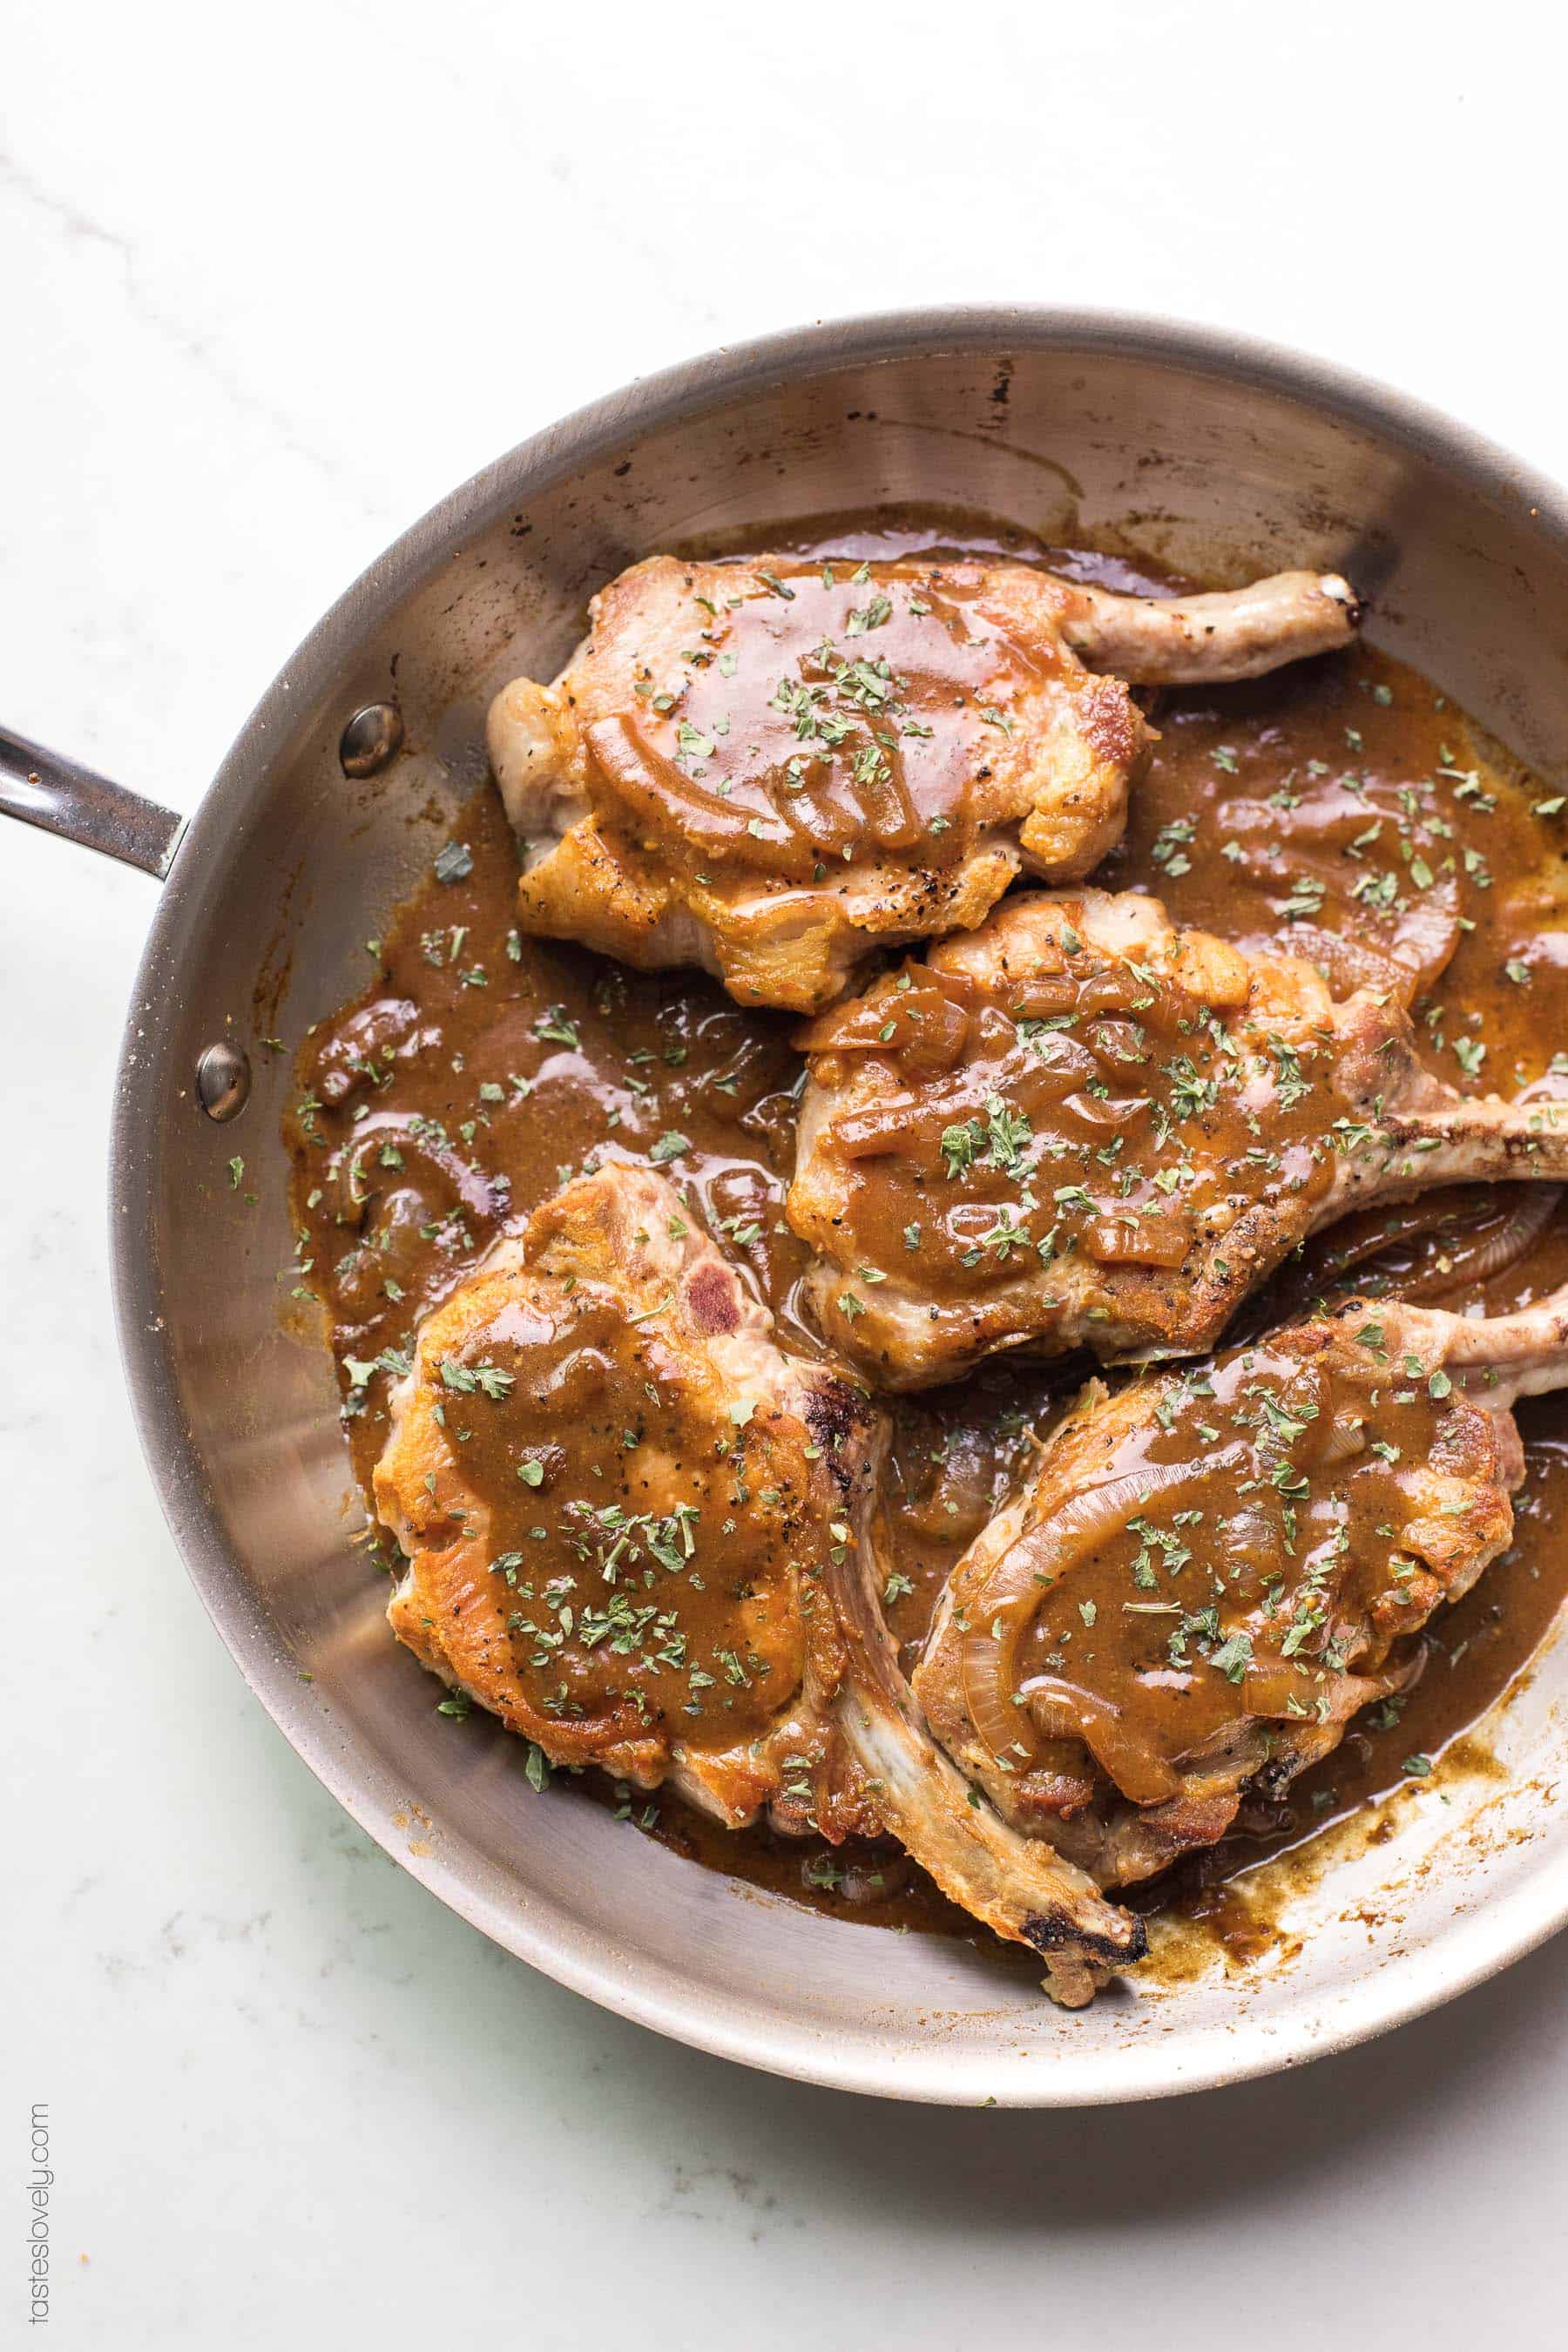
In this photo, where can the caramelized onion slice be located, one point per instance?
(1019, 1584)
(1044, 997)
(928, 1021)
(360, 1172)
(664, 797)
(1065, 1710)
(1513, 1240)
(1374, 1231)
(1120, 993)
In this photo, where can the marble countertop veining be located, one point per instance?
(272, 284)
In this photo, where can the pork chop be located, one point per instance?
(1079, 1126)
(1204, 1577)
(774, 768)
(615, 1494)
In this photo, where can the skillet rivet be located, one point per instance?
(373, 737)
(223, 1081)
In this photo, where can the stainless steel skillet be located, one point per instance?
(1221, 455)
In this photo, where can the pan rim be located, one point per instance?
(1469, 1949)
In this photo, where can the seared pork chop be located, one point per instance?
(1079, 1126)
(1206, 1577)
(614, 1493)
(772, 769)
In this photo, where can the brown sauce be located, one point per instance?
(1345, 811)
(1342, 809)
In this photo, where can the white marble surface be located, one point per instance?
(273, 280)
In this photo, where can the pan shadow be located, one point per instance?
(710, 2134)
(1150, 2165)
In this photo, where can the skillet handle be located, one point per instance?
(42, 789)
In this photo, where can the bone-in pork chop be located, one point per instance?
(775, 768)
